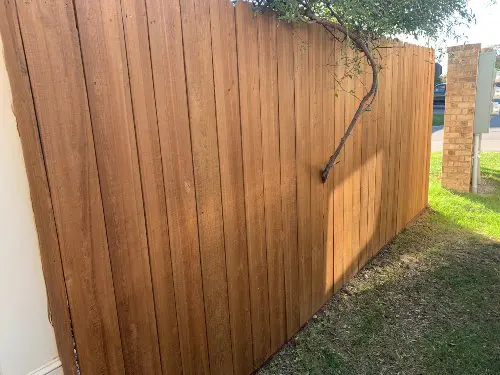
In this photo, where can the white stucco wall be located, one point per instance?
(26, 337)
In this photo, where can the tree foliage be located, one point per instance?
(364, 23)
(379, 18)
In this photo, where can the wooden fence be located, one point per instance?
(174, 153)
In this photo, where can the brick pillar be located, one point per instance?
(459, 116)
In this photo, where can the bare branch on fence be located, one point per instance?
(368, 98)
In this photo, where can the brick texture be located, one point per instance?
(459, 116)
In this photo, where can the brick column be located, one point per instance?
(459, 116)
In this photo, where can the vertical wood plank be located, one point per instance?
(424, 131)
(382, 156)
(403, 117)
(349, 189)
(303, 138)
(395, 141)
(151, 170)
(339, 170)
(328, 78)
(103, 49)
(268, 65)
(318, 201)
(357, 139)
(201, 102)
(364, 167)
(373, 244)
(54, 63)
(419, 109)
(372, 144)
(388, 136)
(248, 54)
(223, 30)
(286, 87)
(412, 137)
(209, 150)
(173, 122)
(27, 125)
(407, 128)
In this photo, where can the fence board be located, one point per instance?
(317, 139)
(389, 82)
(373, 240)
(339, 174)
(24, 107)
(211, 126)
(365, 169)
(328, 72)
(103, 49)
(268, 73)
(173, 123)
(395, 139)
(404, 124)
(248, 56)
(383, 136)
(201, 102)
(286, 92)
(149, 151)
(349, 189)
(231, 170)
(303, 137)
(56, 73)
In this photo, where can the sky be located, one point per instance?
(486, 30)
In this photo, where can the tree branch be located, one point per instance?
(367, 100)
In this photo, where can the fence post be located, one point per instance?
(459, 116)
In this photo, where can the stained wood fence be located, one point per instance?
(174, 153)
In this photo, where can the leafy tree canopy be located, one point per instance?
(379, 18)
(364, 22)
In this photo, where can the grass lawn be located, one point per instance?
(437, 120)
(427, 304)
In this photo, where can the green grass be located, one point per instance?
(479, 213)
(427, 304)
(437, 120)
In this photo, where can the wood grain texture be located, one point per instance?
(328, 113)
(366, 153)
(268, 73)
(201, 100)
(303, 158)
(385, 213)
(318, 200)
(248, 55)
(349, 189)
(151, 170)
(27, 125)
(371, 145)
(380, 182)
(195, 235)
(356, 174)
(340, 170)
(392, 201)
(223, 27)
(106, 72)
(173, 121)
(56, 72)
(287, 122)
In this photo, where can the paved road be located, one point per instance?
(490, 142)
